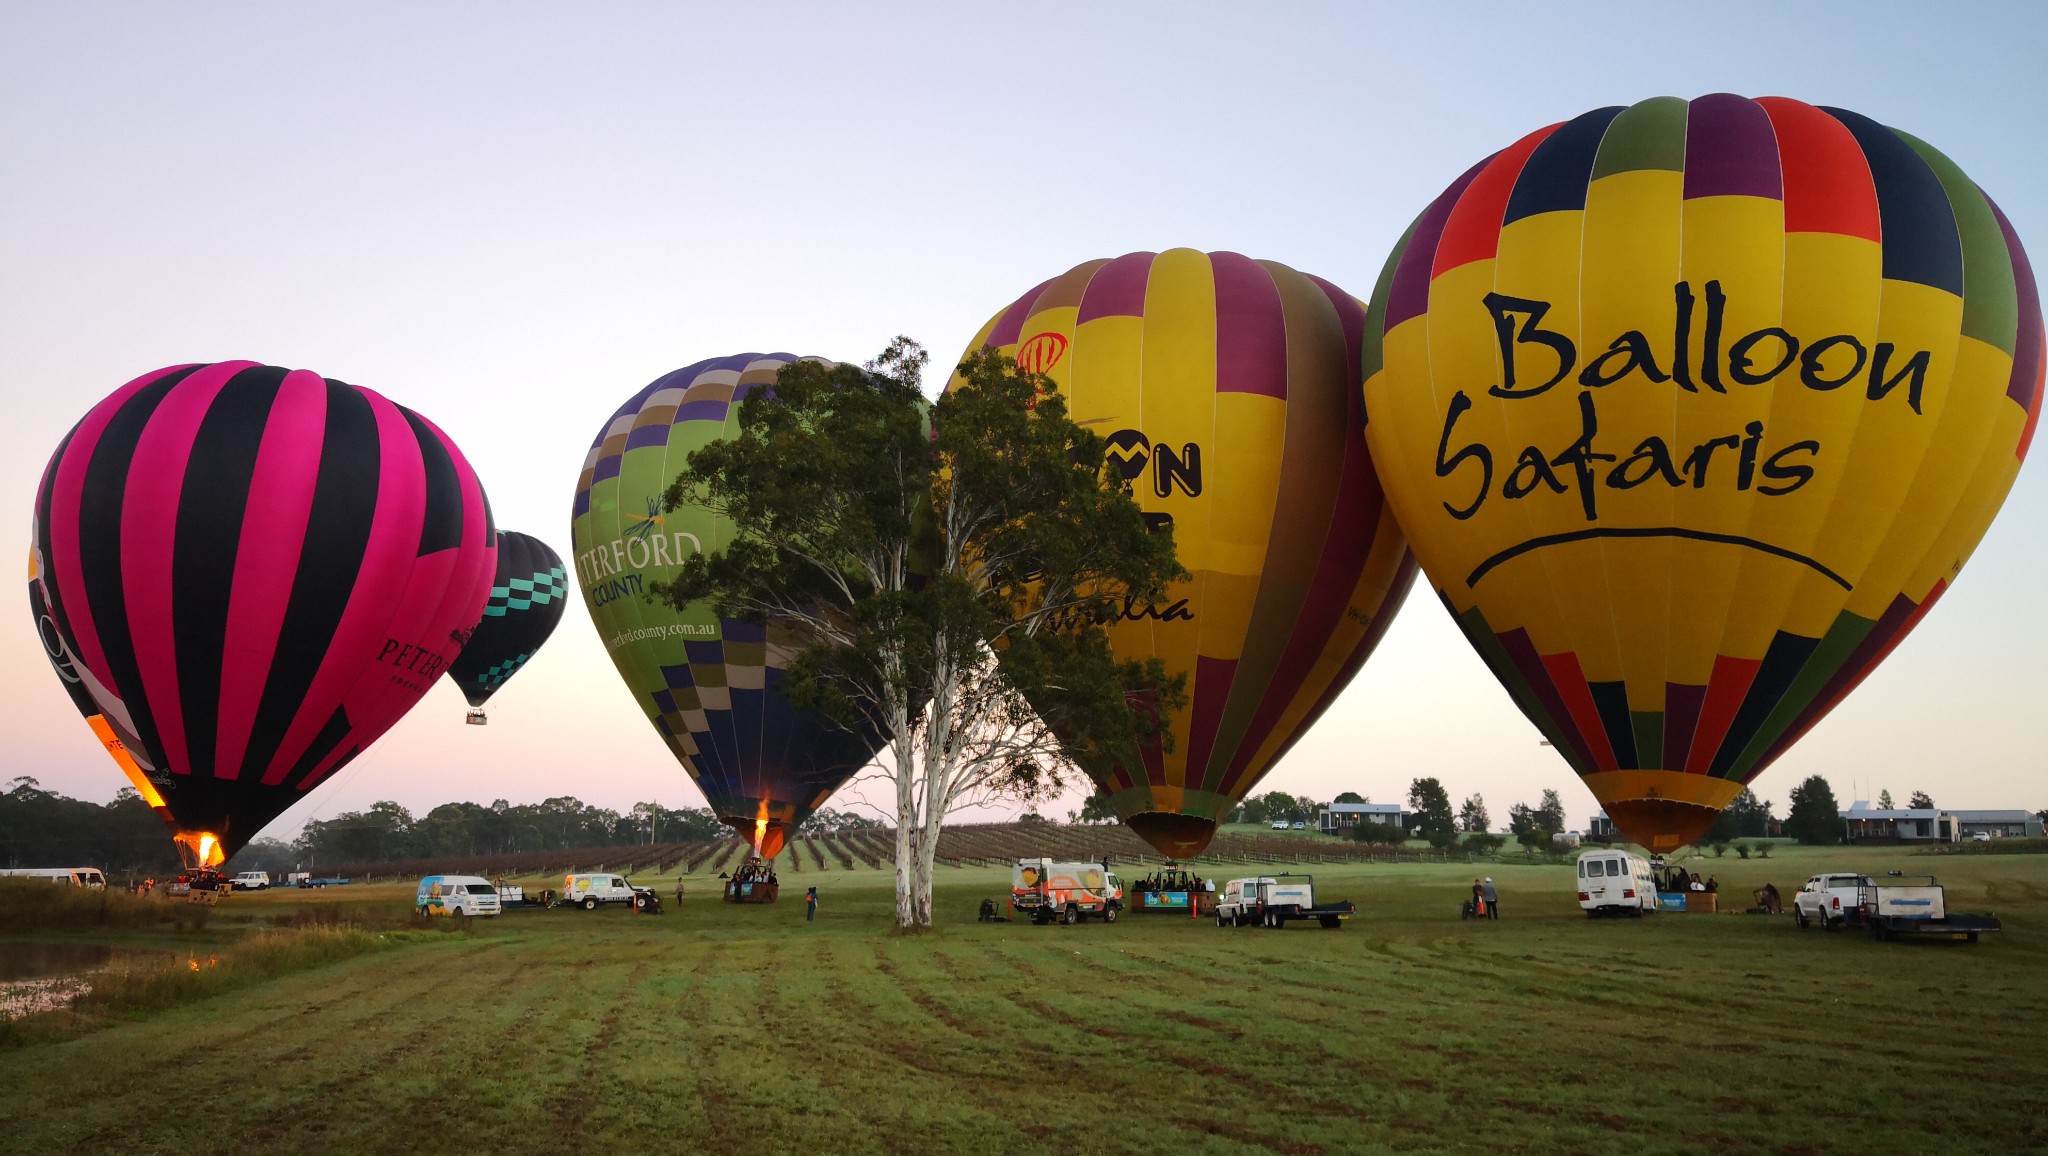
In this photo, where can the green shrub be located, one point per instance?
(1742, 850)
(1481, 843)
(1720, 848)
(1380, 834)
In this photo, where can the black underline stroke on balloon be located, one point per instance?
(1651, 532)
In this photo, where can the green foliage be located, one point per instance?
(898, 542)
(1431, 805)
(1742, 850)
(1921, 801)
(1550, 812)
(1815, 817)
(387, 831)
(1350, 797)
(41, 828)
(1380, 834)
(1884, 800)
(1481, 843)
(1746, 816)
(1720, 848)
(827, 821)
(1472, 815)
(1096, 809)
(1279, 806)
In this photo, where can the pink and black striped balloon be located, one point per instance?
(253, 572)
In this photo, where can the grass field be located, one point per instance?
(729, 1029)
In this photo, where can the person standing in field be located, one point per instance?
(810, 904)
(1477, 908)
(1492, 898)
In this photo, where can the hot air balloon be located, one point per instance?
(244, 575)
(710, 685)
(1691, 411)
(526, 600)
(1226, 389)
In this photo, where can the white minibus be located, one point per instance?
(1614, 882)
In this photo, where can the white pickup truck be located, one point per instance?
(1272, 900)
(1891, 906)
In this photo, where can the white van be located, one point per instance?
(1615, 883)
(252, 881)
(65, 876)
(591, 891)
(457, 895)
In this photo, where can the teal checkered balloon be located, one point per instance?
(527, 597)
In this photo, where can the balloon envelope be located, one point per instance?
(1692, 410)
(526, 599)
(1226, 389)
(247, 574)
(710, 685)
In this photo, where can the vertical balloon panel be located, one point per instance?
(1226, 390)
(1692, 409)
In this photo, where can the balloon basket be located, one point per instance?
(477, 718)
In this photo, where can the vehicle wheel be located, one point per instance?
(423, 911)
(1220, 921)
(1799, 917)
(1971, 938)
(1109, 914)
(1071, 915)
(1331, 923)
(590, 905)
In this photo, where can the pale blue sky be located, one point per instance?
(510, 217)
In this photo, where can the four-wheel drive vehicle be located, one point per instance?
(457, 895)
(1829, 900)
(1067, 892)
(62, 876)
(1279, 824)
(593, 891)
(1272, 900)
(1616, 883)
(252, 881)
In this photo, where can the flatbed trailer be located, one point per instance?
(1892, 907)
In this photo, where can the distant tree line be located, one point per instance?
(40, 828)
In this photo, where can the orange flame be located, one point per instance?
(201, 848)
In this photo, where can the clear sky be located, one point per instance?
(511, 216)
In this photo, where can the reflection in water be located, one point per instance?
(36, 960)
(40, 977)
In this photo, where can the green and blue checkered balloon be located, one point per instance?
(527, 597)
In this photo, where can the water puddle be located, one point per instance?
(40, 977)
(43, 960)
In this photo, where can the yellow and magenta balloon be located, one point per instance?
(1227, 390)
